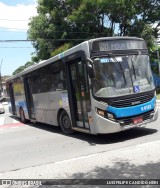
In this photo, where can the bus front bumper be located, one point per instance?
(104, 126)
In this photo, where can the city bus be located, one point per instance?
(103, 85)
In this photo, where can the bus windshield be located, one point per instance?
(122, 75)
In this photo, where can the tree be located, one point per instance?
(64, 23)
(154, 53)
(20, 69)
(60, 21)
(50, 28)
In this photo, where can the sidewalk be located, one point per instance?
(140, 161)
(158, 103)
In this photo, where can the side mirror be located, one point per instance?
(91, 71)
(90, 68)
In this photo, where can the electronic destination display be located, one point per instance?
(110, 45)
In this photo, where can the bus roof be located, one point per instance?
(80, 46)
(48, 61)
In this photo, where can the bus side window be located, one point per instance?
(18, 87)
(58, 77)
(35, 82)
(45, 79)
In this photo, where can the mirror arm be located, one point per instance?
(90, 61)
(91, 68)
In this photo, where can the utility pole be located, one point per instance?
(1, 79)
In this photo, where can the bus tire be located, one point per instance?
(22, 116)
(65, 123)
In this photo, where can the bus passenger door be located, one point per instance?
(11, 92)
(29, 98)
(79, 93)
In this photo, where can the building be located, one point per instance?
(3, 92)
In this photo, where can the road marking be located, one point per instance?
(15, 121)
(13, 125)
(2, 120)
(76, 158)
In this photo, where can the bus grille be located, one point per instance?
(129, 121)
(132, 101)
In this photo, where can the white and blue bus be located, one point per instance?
(100, 86)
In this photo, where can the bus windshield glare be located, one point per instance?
(122, 75)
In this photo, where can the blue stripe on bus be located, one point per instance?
(21, 103)
(133, 110)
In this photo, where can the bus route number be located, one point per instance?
(144, 108)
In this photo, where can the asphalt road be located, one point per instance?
(30, 145)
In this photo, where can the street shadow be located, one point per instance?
(97, 139)
(101, 138)
(120, 170)
(98, 177)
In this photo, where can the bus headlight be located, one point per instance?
(105, 114)
(110, 116)
(100, 112)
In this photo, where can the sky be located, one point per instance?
(14, 18)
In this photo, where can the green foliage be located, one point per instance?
(63, 22)
(59, 21)
(61, 49)
(20, 69)
(28, 64)
(154, 59)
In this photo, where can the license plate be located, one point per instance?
(137, 120)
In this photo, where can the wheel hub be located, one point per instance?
(66, 122)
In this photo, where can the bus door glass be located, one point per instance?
(11, 92)
(29, 98)
(79, 92)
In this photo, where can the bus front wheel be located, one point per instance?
(22, 116)
(65, 123)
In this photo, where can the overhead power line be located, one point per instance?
(13, 20)
(16, 40)
(1, 41)
(15, 47)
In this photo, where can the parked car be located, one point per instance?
(1, 108)
(4, 100)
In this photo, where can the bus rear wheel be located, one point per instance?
(65, 123)
(22, 116)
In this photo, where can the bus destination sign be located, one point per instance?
(118, 45)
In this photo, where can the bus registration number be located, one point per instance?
(137, 120)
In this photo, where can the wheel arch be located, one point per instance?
(64, 121)
(59, 113)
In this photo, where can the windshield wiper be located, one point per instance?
(122, 71)
(134, 70)
(133, 63)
